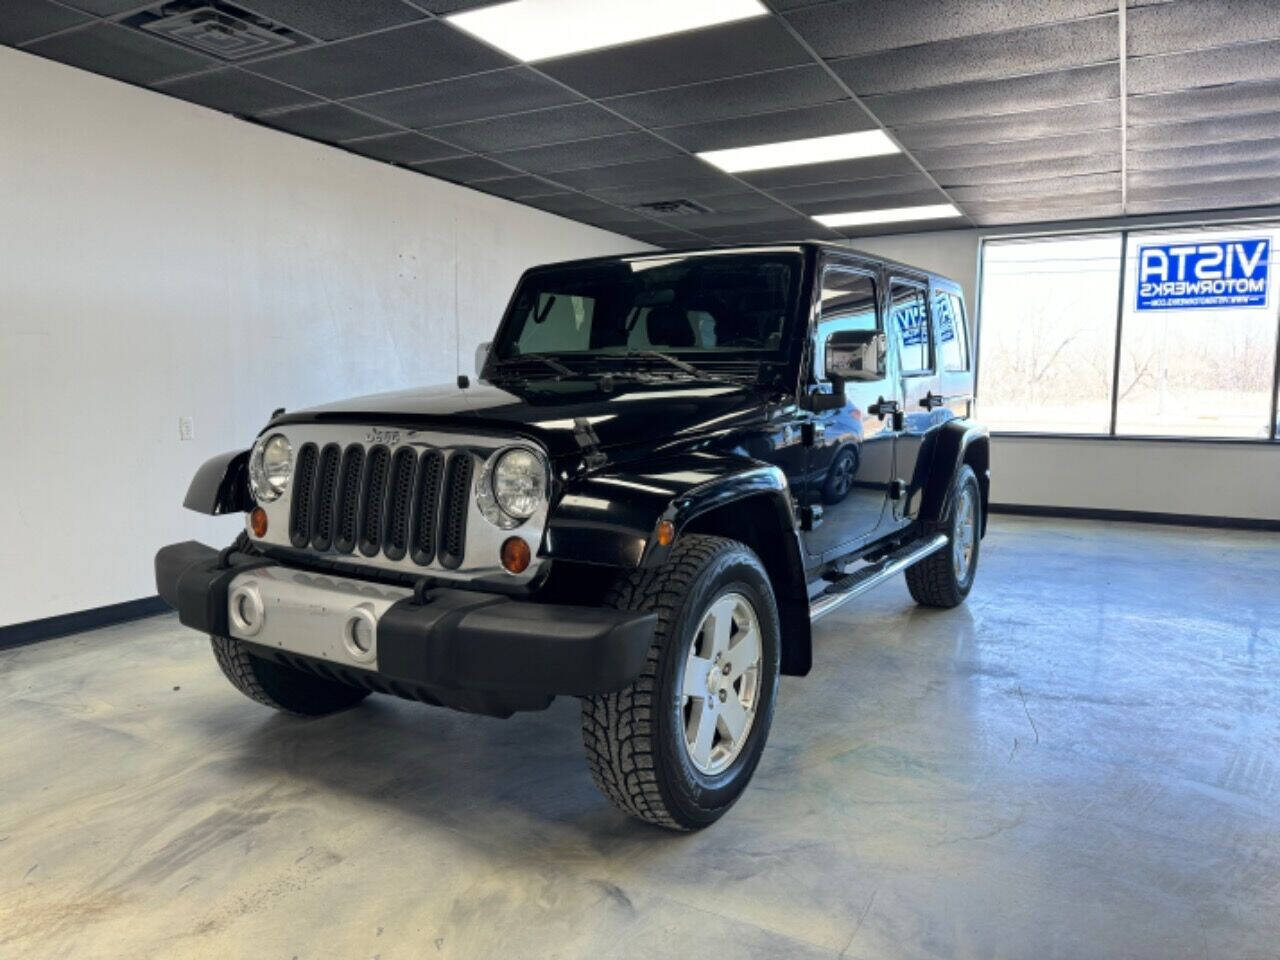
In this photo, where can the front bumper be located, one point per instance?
(457, 640)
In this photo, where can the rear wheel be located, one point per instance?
(944, 578)
(678, 745)
(287, 689)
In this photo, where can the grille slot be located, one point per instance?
(426, 504)
(399, 503)
(373, 496)
(300, 510)
(326, 486)
(347, 508)
(453, 517)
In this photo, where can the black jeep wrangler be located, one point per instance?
(674, 463)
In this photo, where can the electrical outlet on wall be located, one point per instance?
(186, 428)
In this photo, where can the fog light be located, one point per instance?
(360, 633)
(515, 555)
(258, 522)
(246, 609)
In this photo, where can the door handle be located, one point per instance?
(931, 400)
(883, 408)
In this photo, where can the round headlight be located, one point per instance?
(270, 466)
(519, 483)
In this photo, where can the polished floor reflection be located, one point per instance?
(1082, 762)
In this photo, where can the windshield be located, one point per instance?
(697, 306)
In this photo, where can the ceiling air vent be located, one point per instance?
(218, 29)
(672, 208)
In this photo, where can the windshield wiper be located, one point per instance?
(679, 364)
(542, 358)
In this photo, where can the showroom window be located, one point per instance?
(1187, 347)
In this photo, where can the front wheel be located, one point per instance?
(678, 745)
(944, 578)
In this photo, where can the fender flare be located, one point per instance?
(221, 485)
(957, 442)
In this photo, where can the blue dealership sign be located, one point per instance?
(1204, 274)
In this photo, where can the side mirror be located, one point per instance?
(482, 354)
(855, 355)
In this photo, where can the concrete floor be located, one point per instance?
(1082, 762)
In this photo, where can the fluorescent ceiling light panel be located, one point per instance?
(932, 211)
(540, 29)
(793, 153)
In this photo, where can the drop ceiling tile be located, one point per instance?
(796, 228)
(1029, 125)
(417, 53)
(747, 46)
(598, 152)
(1199, 24)
(103, 8)
(842, 116)
(328, 122)
(865, 26)
(484, 95)
(401, 148)
(705, 188)
(574, 205)
(1204, 102)
(744, 201)
(120, 52)
(520, 187)
(1196, 196)
(234, 91)
(741, 218)
(455, 6)
(466, 169)
(889, 166)
(1040, 49)
(1231, 151)
(1096, 209)
(334, 19)
(1209, 177)
(806, 196)
(666, 239)
(1029, 170)
(1156, 136)
(914, 198)
(1014, 95)
(1104, 141)
(1031, 191)
(733, 97)
(577, 121)
(672, 169)
(1204, 68)
(27, 19)
(1191, 204)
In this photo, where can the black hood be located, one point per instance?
(654, 415)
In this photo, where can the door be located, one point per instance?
(912, 329)
(850, 460)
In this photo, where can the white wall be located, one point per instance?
(1204, 478)
(159, 260)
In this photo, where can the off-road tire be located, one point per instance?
(630, 736)
(933, 581)
(287, 689)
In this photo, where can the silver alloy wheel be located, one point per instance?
(720, 683)
(964, 535)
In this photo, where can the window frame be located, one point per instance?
(1125, 234)
(962, 315)
(820, 338)
(922, 286)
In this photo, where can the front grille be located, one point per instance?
(368, 500)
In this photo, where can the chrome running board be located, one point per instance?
(872, 575)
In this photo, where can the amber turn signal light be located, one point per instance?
(666, 533)
(515, 555)
(258, 522)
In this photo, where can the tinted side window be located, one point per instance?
(953, 337)
(848, 303)
(909, 317)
